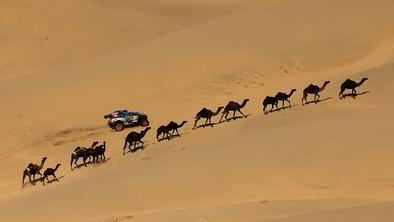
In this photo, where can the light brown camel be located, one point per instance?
(313, 89)
(174, 127)
(82, 152)
(233, 106)
(163, 130)
(269, 100)
(350, 84)
(32, 169)
(280, 96)
(50, 172)
(133, 138)
(206, 114)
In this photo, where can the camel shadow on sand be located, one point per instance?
(174, 136)
(354, 95)
(206, 125)
(135, 149)
(90, 163)
(34, 182)
(234, 118)
(280, 109)
(318, 101)
(54, 180)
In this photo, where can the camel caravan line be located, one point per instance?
(96, 153)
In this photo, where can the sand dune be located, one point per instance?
(66, 64)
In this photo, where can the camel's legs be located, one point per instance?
(206, 121)
(195, 122)
(226, 115)
(142, 143)
(221, 117)
(341, 93)
(241, 113)
(23, 179)
(289, 103)
(318, 97)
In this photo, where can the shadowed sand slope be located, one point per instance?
(78, 60)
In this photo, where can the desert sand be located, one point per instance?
(64, 64)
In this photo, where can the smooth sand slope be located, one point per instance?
(331, 161)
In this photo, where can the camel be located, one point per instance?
(33, 169)
(280, 96)
(99, 152)
(134, 137)
(350, 84)
(206, 114)
(82, 152)
(269, 100)
(50, 172)
(163, 130)
(313, 89)
(175, 126)
(233, 106)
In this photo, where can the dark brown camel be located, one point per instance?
(350, 84)
(269, 100)
(99, 152)
(173, 126)
(50, 172)
(233, 106)
(82, 152)
(313, 89)
(206, 114)
(133, 138)
(280, 96)
(163, 130)
(32, 169)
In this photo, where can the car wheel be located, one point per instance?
(145, 123)
(119, 126)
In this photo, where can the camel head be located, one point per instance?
(244, 102)
(145, 130)
(42, 162)
(94, 144)
(183, 122)
(218, 111)
(363, 80)
(324, 85)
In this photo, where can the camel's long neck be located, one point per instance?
(143, 132)
(243, 104)
(183, 123)
(41, 164)
(323, 87)
(291, 93)
(57, 166)
(361, 82)
(217, 111)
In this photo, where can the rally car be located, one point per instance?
(120, 119)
